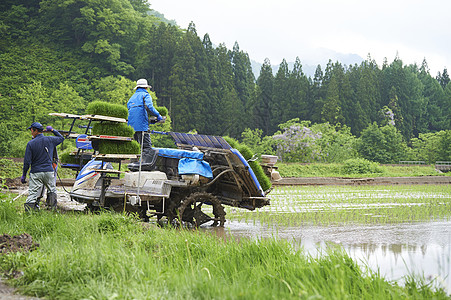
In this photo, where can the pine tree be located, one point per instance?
(443, 78)
(331, 110)
(316, 101)
(213, 107)
(297, 106)
(231, 107)
(184, 106)
(280, 104)
(264, 94)
(244, 81)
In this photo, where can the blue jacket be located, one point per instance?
(37, 157)
(137, 114)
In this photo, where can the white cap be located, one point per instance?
(142, 83)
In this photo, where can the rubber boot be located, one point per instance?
(36, 204)
(30, 207)
(52, 200)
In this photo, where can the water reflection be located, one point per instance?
(395, 250)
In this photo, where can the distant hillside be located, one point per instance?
(59, 56)
(162, 17)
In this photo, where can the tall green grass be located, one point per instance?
(112, 256)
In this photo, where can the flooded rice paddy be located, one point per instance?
(395, 230)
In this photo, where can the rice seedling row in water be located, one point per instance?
(112, 256)
(332, 205)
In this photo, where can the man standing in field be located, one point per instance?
(38, 155)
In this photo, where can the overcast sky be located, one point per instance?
(278, 29)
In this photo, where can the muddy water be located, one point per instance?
(395, 250)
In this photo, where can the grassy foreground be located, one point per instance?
(112, 256)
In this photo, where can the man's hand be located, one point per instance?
(22, 179)
(49, 128)
(161, 119)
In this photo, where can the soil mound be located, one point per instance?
(22, 243)
(13, 183)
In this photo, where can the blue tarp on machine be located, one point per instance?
(190, 162)
(193, 166)
(177, 153)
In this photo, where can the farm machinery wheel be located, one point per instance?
(171, 214)
(190, 210)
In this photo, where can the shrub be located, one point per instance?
(360, 166)
(381, 144)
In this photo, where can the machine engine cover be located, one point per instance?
(154, 182)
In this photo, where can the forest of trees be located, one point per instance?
(58, 56)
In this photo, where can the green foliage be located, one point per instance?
(114, 89)
(111, 128)
(110, 222)
(18, 144)
(10, 168)
(107, 109)
(303, 142)
(5, 139)
(360, 166)
(162, 110)
(430, 147)
(382, 144)
(258, 144)
(444, 147)
(162, 141)
(337, 143)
